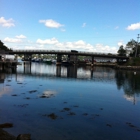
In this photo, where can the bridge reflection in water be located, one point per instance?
(125, 80)
(86, 72)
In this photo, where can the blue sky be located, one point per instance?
(83, 25)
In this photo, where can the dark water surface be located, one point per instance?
(71, 103)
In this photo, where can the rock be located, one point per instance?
(109, 125)
(24, 137)
(85, 114)
(6, 125)
(71, 113)
(52, 116)
(66, 109)
(6, 136)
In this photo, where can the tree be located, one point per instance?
(3, 47)
(132, 46)
(121, 51)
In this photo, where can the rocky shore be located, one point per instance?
(6, 136)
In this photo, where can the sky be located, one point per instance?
(82, 25)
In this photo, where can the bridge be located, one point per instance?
(72, 54)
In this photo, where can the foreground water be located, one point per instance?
(69, 103)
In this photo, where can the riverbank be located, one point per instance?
(131, 64)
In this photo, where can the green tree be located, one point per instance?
(121, 51)
(132, 46)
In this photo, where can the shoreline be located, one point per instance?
(4, 135)
(116, 66)
(128, 67)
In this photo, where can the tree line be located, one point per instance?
(3, 47)
(131, 49)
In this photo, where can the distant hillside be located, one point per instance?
(3, 47)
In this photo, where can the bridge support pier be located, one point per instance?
(27, 57)
(59, 59)
(73, 58)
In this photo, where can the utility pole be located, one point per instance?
(137, 45)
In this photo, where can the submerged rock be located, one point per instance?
(6, 125)
(24, 137)
(14, 95)
(19, 83)
(8, 85)
(43, 96)
(28, 98)
(71, 113)
(32, 91)
(85, 114)
(52, 116)
(75, 106)
(66, 109)
(109, 125)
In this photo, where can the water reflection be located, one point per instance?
(4, 88)
(87, 72)
(130, 84)
(125, 80)
(63, 102)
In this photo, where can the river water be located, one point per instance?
(71, 103)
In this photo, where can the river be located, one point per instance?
(71, 103)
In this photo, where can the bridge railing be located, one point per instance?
(96, 53)
(64, 51)
(41, 51)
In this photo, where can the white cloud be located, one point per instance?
(80, 42)
(134, 26)
(21, 36)
(12, 40)
(6, 23)
(83, 46)
(47, 41)
(51, 23)
(30, 48)
(120, 43)
(54, 44)
(84, 25)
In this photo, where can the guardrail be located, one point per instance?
(64, 51)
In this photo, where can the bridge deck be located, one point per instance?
(63, 52)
